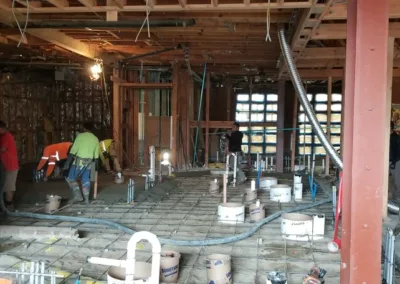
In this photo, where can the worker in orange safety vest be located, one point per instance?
(53, 154)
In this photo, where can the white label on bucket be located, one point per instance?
(169, 271)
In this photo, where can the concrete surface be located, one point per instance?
(178, 209)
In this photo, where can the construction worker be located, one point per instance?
(235, 146)
(10, 165)
(53, 154)
(108, 152)
(83, 156)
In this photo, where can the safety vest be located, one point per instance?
(104, 146)
(52, 154)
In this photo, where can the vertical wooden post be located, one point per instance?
(365, 143)
(293, 136)
(387, 123)
(135, 115)
(116, 108)
(280, 145)
(207, 142)
(146, 120)
(328, 123)
(174, 101)
(190, 117)
(228, 98)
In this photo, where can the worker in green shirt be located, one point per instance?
(84, 155)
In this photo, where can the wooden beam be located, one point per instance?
(59, 3)
(328, 123)
(182, 3)
(32, 4)
(3, 40)
(91, 4)
(215, 3)
(116, 113)
(174, 106)
(324, 53)
(241, 7)
(5, 4)
(338, 31)
(151, 3)
(146, 85)
(112, 16)
(246, 2)
(207, 142)
(339, 11)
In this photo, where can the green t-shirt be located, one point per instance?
(86, 146)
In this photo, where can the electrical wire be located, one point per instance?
(268, 36)
(22, 31)
(146, 20)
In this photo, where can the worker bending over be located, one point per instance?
(108, 152)
(52, 155)
(84, 155)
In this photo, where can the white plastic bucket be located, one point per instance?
(218, 268)
(169, 265)
(231, 213)
(297, 227)
(297, 179)
(52, 203)
(213, 187)
(250, 195)
(257, 211)
(318, 226)
(267, 182)
(298, 191)
(281, 193)
(116, 275)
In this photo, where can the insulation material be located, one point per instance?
(39, 110)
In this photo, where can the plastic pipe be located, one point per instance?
(235, 160)
(106, 261)
(225, 180)
(152, 170)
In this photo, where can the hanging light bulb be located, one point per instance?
(96, 69)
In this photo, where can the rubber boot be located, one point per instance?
(86, 193)
(76, 192)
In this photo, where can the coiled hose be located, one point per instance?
(130, 231)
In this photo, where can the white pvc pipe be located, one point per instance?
(227, 163)
(225, 180)
(235, 169)
(155, 264)
(152, 170)
(107, 261)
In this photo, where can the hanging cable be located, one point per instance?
(146, 20)
(22, 31)
(268, 36)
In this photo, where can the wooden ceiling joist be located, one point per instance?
(59, 3)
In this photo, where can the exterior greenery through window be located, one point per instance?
(264, 108)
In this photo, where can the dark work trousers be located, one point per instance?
(396, 181)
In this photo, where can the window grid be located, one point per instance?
(264, 108)
(307, 141)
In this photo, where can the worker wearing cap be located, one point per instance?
(107, 151)
(83, 156)
(53, 154)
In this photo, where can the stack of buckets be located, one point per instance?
(219, 269)
(297, 187)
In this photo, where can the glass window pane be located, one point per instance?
(245, 148)
(335, 139)
(305, 128)
(270, 149)
(321, 97)
(272, 97)
(322, 117)
(321, 107)
(310, 97)
(270, 138)
(243, 128)
(242, 116)
(272, 107)
(336, 97)
(335, 129)
(319, 150)
(257, 138)
(257, 129)
(271, 117)
(257, 97)
(242, 97)
(336, 107)
(306, 149)
(257, 107)
(303, 118)
(256, 148)
(242, 107)
(245, 138)
(270, 129)
(336, 117)
(308, 139)
(257, 117)
(316, 140)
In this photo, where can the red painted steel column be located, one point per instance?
(364, 140)
(280, 145)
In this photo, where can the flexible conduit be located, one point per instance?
(302, 94)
